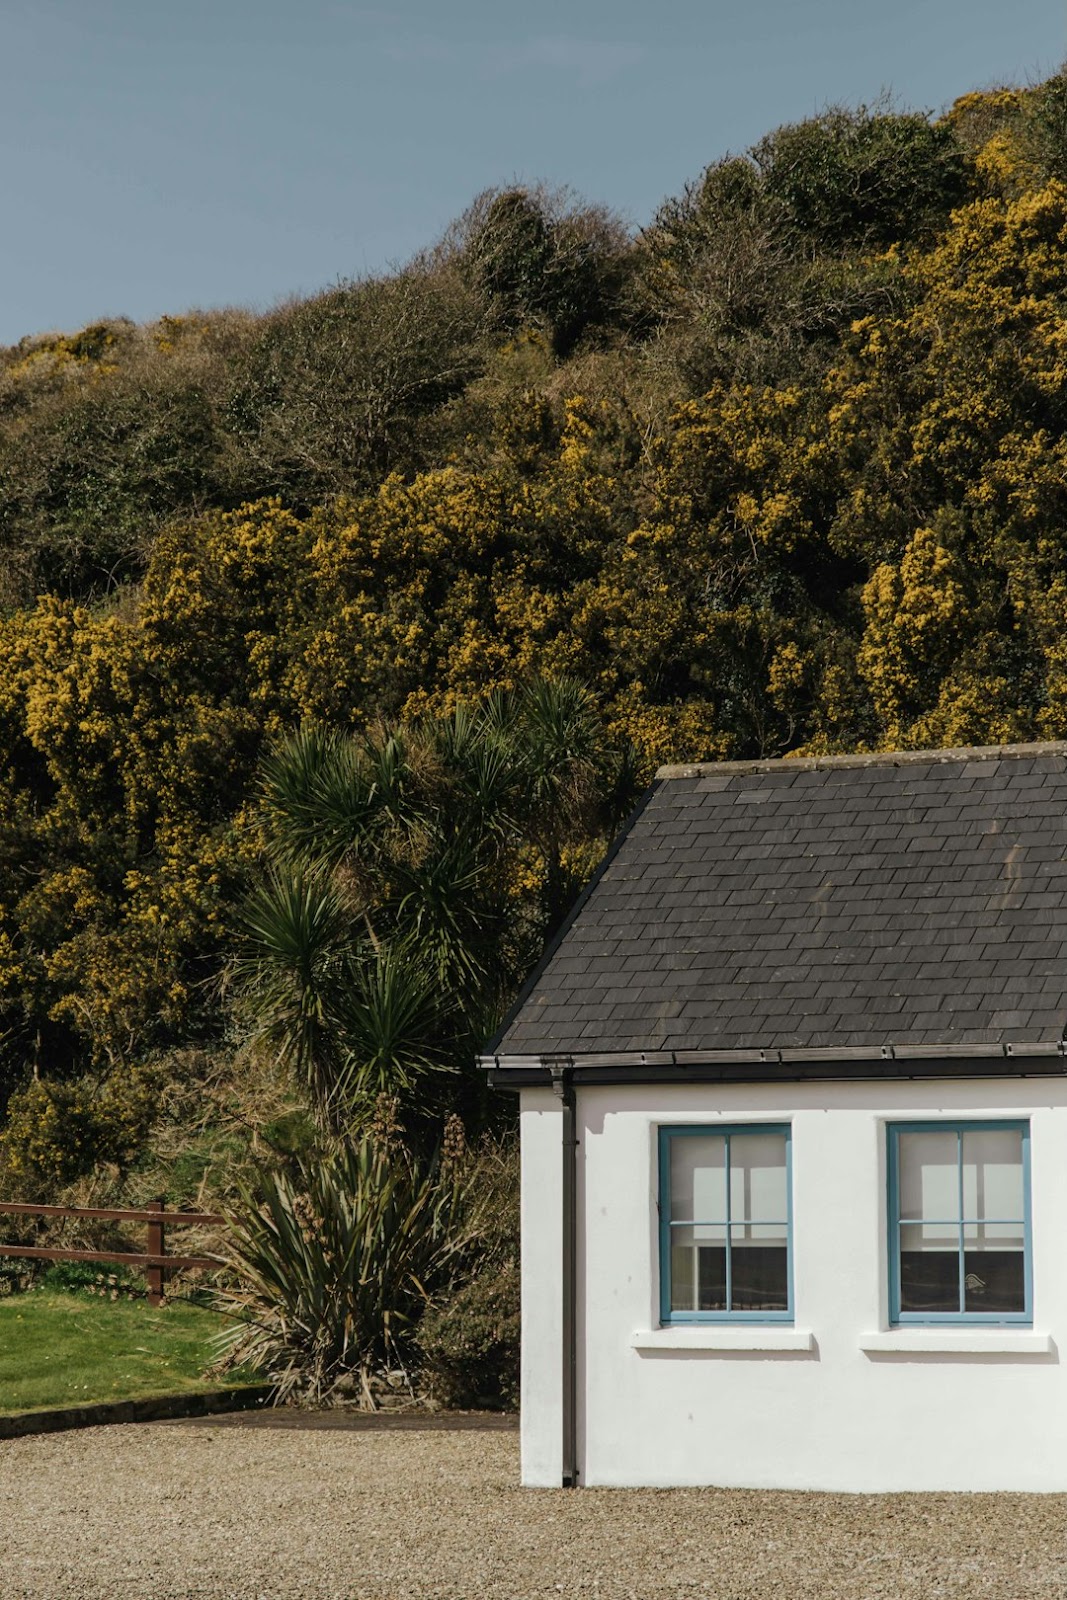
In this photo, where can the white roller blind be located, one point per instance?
(698, 1178)
(758, 1178)
(993, 1174)
(929, 1176)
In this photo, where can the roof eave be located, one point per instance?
(853, 1063)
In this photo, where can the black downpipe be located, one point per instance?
(563, 1084)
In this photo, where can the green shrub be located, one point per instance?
(866, 176)
(468, 1339)
(332, 395)
(541, 261)
(468, 1342)
(88, 476)
(1047, 125)
(335, 1262)
(109, 1281)
(15, 1275)
(292, 1133)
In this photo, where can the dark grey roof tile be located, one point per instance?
(847, 905)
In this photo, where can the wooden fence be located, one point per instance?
(155, 1260)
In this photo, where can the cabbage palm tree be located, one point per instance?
(392, 924)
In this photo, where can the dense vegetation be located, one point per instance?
(784, 470)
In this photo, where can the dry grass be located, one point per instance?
(180, 1510)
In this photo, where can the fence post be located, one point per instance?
(156, 1247)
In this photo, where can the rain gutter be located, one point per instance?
(854, 1065)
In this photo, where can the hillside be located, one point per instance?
(785, 470)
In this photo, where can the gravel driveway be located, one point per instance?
(268, 1513)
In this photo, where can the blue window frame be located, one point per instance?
(726, 1223)
(959, 1222)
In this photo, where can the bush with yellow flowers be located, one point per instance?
(56, 1132)
(787, 471)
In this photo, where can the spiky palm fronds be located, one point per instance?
(295, 968)
(323, 791)
(390, 932)
(395, 1022)
(355, 1019)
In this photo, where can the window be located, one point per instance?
(725, 1224)
(959, 1222)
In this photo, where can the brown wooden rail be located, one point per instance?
(155, 1260)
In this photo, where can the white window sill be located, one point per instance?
(987, 1341)
(717, 1336)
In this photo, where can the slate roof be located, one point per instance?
(858, 903)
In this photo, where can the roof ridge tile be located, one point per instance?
(878, 758)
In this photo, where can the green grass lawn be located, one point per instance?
(73, 1349)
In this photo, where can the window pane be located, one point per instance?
(759, 1268)
(760, 1233)
(757, 1178)
(698, 1178)
(711, 1278)
(698, 1269)
(715, 1268)
(929, 1268)
(683, 1264)
(928, 1236)
(929, 1177)
(994, 1267)
(992, 1236)
(993, 1173)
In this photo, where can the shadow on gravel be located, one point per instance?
(360, 1421)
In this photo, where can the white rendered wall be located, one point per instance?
(541, 1393)
(983, 1408)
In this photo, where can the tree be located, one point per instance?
(332, 395)
(867, 177)
(540, 260)
(412, 875)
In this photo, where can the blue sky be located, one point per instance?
(161, 154)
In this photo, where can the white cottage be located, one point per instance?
(794, 1134)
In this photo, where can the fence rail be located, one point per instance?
(155, 1260)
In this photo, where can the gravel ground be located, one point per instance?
(170, 1511)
